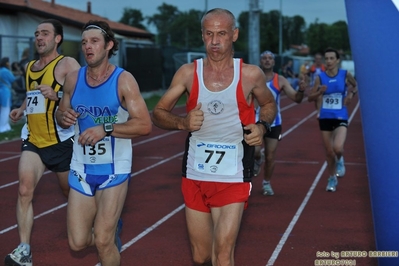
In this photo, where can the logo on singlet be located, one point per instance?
(200, 144)
(215, 107)
(100, 115)
(213, 168)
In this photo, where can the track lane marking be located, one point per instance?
(298, 213)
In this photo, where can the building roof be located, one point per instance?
(69, 16)
(299, 49)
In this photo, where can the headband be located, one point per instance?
(267, 52)
(96, 27)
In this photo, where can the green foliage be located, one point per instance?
(163, 21)
(179, 29)
(318, 39)
(186, 30)
(294, 29)
(183, 30)
(133, 17)
(14, 133)
(321, 35)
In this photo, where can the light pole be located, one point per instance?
(280, 42)
(253, 34)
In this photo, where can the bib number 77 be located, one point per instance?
(220, 153)
(216, 158)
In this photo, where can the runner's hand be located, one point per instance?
(194, 119)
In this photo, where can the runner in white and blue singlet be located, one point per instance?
(276, 84)
(104, 104)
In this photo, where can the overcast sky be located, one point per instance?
(327, 11)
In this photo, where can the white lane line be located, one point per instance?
(164, 219)
(47, 172)
(298, 124)
(298, 213)
(36, 217)
(10, 158)
(65, 204)
(150, 229)
(155, 138)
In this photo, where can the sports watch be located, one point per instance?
(108, 128)
(266, 125)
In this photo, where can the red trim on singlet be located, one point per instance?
(246, 111)
(193, 98)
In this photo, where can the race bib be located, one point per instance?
(332, 101)
(216, 158)
(101, 153)
(35, 102)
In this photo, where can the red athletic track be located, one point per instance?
(288, 228)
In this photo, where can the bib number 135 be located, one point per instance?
(98, 149)
(101, 153)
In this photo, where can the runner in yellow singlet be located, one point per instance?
(45, 144)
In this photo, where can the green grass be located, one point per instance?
(14, 133)
(16, 128)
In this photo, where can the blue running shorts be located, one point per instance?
(88, 184)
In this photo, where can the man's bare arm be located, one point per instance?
(162, 115)
(64, 115)
(139, 122)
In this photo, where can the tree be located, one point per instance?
(242, 42)
(294, 29)
(163, 21)
(317, 37)
(321, 36)
(185, 31)
(340, 36)
(132, 17)
(269, 31)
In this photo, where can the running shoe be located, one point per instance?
(340, 167)
(258, 163)
(267, 189)
(332, 184)
(118, 241)
(19, 257)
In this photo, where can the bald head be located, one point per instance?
(219, 12)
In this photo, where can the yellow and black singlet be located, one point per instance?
(40, 112)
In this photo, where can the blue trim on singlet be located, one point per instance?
(276, 91)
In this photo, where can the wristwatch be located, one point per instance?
(108, 128)
(59, 94)
(266, 125)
